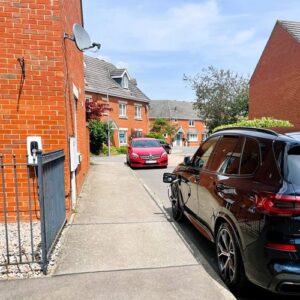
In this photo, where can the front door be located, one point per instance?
(178, 139)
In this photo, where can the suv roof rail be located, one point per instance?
(262, 130)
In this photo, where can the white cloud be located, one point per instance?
(189, 27)
(104, 57)
(122, 65)
(176, 28)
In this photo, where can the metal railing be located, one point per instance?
(32, 208)
(19, 214)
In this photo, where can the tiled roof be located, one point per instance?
(98, 80)
(118, 72)
(173, 109)
(293, 28)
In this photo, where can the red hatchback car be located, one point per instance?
(146, 152)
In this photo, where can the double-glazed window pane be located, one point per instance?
(138, 112)
(122, 110)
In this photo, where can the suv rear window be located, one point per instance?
(293, 165)
(251, 157)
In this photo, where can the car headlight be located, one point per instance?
(134, 155)
(164, 154)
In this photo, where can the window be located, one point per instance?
(226, 155)
(202, 156)
(137, 132)
(88, 101)
(122, 137)
(122, 110)
(145, 144)
(192, 137)
(191, 123)
(250, 158)
(125, 82)
(138, 111)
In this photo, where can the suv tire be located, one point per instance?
(229, 259)
(176, 206)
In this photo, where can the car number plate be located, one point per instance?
(150, 161)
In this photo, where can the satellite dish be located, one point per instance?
(81, 37)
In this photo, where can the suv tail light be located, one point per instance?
(281, 247)
(280, 205)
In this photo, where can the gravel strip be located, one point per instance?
(27, 269)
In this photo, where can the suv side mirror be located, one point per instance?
(187, 160)
(169, 177)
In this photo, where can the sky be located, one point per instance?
(159, 41)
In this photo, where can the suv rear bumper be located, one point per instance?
(285, 283)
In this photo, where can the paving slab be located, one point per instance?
(122, 246)
(113, 194)
(167, 283)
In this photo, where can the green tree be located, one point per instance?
(163, 126)
(222, 96)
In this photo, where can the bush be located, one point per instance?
(113, 150)
(98, 135)
(265, 122)
(122, 150)
(155, 135)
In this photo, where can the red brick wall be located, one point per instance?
(275, 83)
(71, 13)
(130, 122)
(43, 104)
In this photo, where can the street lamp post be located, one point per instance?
(108, 125)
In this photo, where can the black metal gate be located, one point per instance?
(32, 209)
(52, 199)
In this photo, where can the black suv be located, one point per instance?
(241, 190)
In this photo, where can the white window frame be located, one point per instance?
(138, 111)
(125, 130)
(122, 109)
(192, 137)
(191, 123)
(88, 99)
(125, 82)
(138, 130)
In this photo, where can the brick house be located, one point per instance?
(190, 129)
(105, 83)
(275, 83)
(42, 84)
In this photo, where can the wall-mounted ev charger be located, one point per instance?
(34, 143)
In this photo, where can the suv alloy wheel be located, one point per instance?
(230, 263)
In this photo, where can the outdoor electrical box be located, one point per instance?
(74, 161)
(34, 143)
